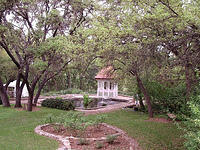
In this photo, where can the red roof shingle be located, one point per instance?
(106, 73)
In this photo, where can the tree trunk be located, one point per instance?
(38, 93)
(4, 95)
(4, 98)
(140, 98)
(19, 89)
(188, 81)
(81, 83)
(30, 101)
(147, 98)
(18, 98)
(68, 80)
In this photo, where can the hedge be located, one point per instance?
(58, 104)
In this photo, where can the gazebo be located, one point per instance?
(107, 87)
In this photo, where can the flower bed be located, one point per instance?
(75, 131)
(106, 137)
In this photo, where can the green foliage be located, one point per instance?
(99, 119)
(7, 68)
(167, 99)
(73, 121)
(57, 128)
(191, 126)
(58, 104)
(63, 92)
(86, 100)
(99, 145)
(111, 139)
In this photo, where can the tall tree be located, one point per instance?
(28, 32)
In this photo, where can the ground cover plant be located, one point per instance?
(17, 130)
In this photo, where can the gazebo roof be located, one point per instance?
(106, 73)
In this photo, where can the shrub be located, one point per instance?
(86, 100)
(111, 138)
(99, 119)
(0, 101)
(167, 99)
(191, 125)
(58, 104)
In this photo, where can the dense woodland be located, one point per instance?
(153, 45)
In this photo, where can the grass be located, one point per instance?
(17, 130)
(150, 135)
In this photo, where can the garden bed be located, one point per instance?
(90, 132)
(104, 137)
(121, 143)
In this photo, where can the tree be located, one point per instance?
(173, 27)
(7, 75)
(117, 43)
(34, 36)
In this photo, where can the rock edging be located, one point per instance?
(66, 143)
(64, 140)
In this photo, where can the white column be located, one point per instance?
(97, 88)
(116, 89)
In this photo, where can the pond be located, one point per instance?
(96, 103)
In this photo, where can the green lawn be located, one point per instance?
(17, 130)
(150, 135)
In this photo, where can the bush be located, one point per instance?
(86, 100)
(58, 104)
(191, 125)
(0, 101)
(99, 120)
(167, 99)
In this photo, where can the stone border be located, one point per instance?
(65, 140)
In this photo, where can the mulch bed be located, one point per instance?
(122, 142)
(90, 132)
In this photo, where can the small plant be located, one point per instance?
(83, 141)
(86, 100)
(57, 128)
(99, 145)
(58, 98)
(111, 138)
(99, 120)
